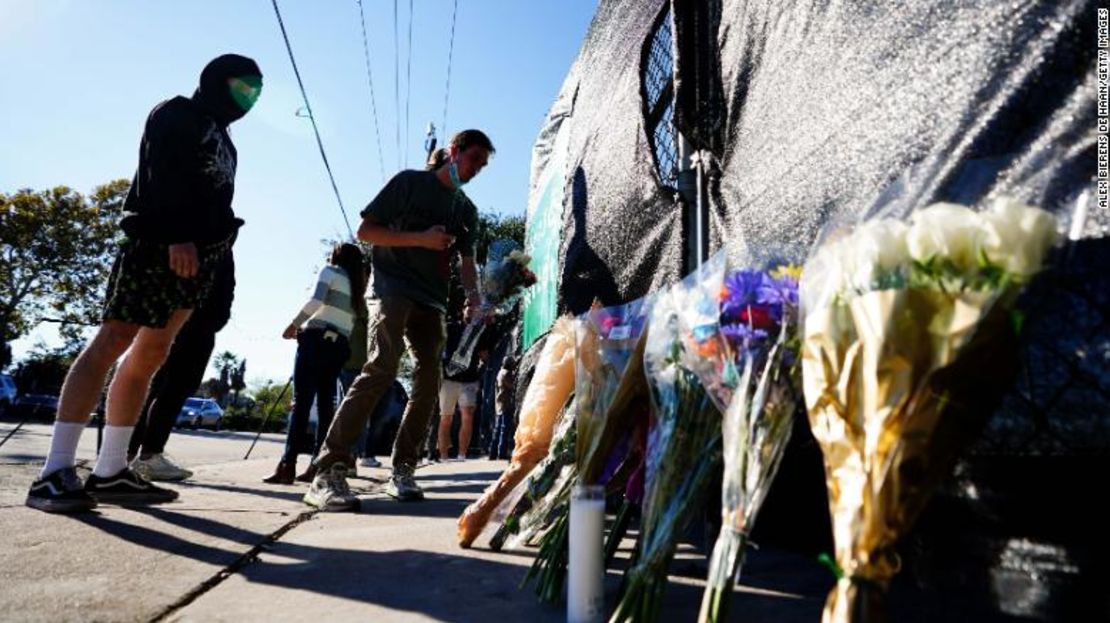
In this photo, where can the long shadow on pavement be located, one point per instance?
(156, 540)
(448, 587)
(486, 476)
(294, 493)
(464, 588)
(443, 587)
(387, 506)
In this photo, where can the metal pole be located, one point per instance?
(267, 418)
(430, 142)
(688, 185)
(701, 218)
(99, 415)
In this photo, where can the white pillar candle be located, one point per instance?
(585, 568)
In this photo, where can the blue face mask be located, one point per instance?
(453, 169)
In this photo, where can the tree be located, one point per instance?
(492, 226)
(44, 369)
(228, 364)
(56, 250)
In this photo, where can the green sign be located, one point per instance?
(541, 240)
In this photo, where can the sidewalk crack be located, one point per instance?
(242, 561)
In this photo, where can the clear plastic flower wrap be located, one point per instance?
(503, 282)
(547, 394)
(607, 340)
(743, 346)
(683, 449)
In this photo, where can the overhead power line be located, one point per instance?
(450, 55)
(312, 118)
(408, 86)
(397, 85)
(370, 79)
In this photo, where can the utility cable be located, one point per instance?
(450, 55)
(370, 79)
(408, 86)
(312, 118)
(397, 85)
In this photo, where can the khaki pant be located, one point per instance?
(391, 320)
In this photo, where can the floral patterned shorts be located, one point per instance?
(143, 290)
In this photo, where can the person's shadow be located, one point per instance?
(586, 275)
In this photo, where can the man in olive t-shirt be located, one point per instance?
(415, 224)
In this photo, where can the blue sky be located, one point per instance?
(80, 76)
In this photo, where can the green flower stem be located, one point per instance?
(618, 531)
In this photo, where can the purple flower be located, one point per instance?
(742, 337)
(782, 291)
(741, 289)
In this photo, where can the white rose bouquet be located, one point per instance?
(908, 344)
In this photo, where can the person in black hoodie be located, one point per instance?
(179, 232)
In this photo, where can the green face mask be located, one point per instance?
(245, 90)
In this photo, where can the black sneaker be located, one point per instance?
(127, 487)
(60, 492)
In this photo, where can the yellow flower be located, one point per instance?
(787, 270)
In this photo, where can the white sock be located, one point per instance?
(63, 447)
(113, 452)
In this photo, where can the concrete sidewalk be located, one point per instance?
(233, 548)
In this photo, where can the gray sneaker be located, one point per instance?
(329, 491)
(403, 485)
(159, 467)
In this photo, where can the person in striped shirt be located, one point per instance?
(323, 331)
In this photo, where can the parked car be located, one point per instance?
(36, 406)
(200, 413)
(8, 392)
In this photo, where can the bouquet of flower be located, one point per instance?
(545, 398)
(683, 448)
(503, 282)
(541, 481)
(607, 340)
(908, 345)
(747, 357)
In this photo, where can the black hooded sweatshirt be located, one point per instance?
(183, 187)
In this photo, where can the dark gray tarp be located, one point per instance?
(840, 109)
(818, 112)
(621, 235)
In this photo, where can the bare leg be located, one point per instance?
(129, 387)
(465, 430)
(85, 379)
(445, 434)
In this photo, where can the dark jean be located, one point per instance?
(501, 443)
(320, 356)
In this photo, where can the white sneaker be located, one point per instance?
(370, 462)
(160, 468)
